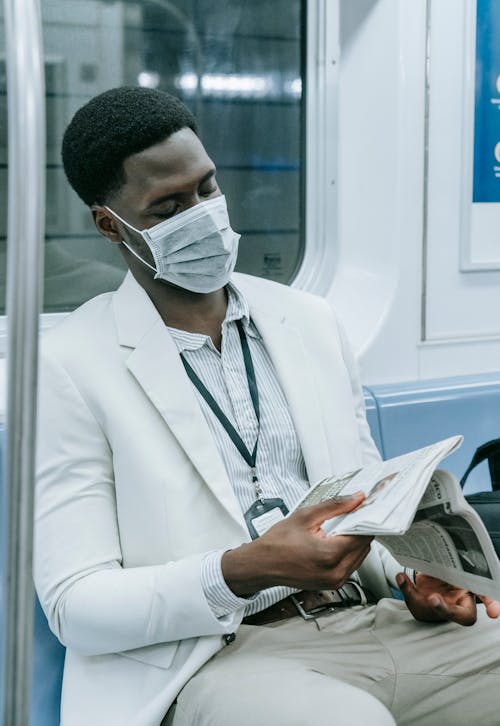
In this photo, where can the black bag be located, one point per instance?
(487, 504)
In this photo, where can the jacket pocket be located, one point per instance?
(160, 655)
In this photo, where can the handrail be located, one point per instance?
(26, 216)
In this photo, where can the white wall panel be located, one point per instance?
(377, 283)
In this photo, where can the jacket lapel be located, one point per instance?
(294, 368)
(155, 363)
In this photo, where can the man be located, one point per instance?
(180, 420)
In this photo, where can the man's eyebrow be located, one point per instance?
(167, 197)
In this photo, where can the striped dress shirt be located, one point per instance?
(280, 465)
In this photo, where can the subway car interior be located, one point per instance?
(357, 143)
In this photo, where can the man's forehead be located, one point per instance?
(181, 150)
(179, 160)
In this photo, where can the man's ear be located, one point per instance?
(106, 224)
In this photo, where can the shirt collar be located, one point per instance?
(237, 309)
(189, 341)
(237, 306)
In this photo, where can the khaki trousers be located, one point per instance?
(364, 666)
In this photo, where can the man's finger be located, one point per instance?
(462, 614)
(406, 586)
(440, 607)
(492, 606)
(318, 513)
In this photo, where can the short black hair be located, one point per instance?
(113, 126)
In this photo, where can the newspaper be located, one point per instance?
(420, 515)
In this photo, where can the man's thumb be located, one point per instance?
(318, 513)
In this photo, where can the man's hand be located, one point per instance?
(434, 601)
(296, 552)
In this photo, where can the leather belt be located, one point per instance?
(309, 603)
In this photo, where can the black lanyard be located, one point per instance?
(250, 458)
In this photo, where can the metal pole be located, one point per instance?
(26, 216)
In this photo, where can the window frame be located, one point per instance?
(317, 268)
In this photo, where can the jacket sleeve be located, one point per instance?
(370, 453)
(369, 450)
(93, 604)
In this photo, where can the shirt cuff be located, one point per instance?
(220, 598)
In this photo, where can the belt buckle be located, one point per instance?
(311, 614)
(303, 614)
(345, 599)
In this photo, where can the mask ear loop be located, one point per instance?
(136, 254)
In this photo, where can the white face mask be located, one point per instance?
(195, 249)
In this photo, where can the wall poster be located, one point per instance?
(486, 185)
(481, 138)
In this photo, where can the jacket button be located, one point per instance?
(229, 638)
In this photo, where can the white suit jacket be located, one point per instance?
(131, 490)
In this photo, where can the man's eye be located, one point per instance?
(206, 192)
(166, 212)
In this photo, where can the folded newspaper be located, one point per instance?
(420, 515)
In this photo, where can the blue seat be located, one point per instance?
(412, 415)
(46, 674)
(48, 655)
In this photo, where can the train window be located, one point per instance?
(237, 65)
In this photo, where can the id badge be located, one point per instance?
(263, 514)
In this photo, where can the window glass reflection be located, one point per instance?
(236, 64)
